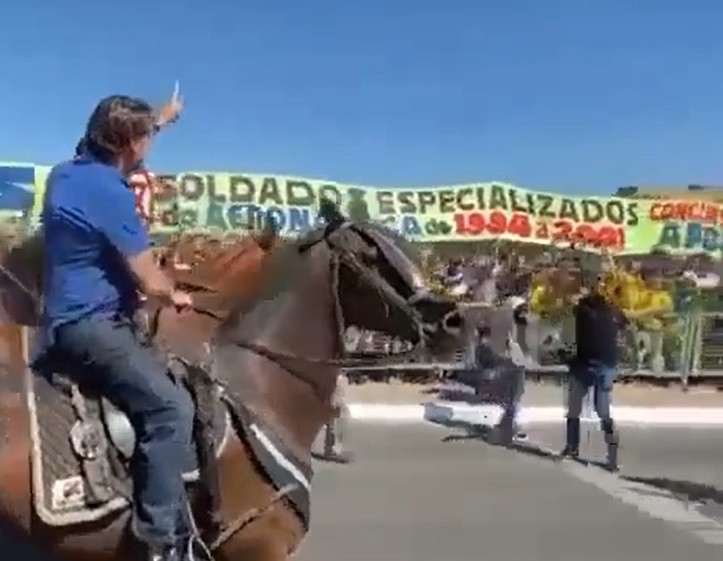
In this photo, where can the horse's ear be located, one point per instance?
(330, 212)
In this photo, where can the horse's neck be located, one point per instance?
(215, 294)
(299, 323)
(220, 271)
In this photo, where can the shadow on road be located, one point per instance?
(491, 436)
(688, 491)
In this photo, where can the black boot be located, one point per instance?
(612, 441)
(572, 439)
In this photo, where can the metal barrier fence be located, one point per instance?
(688, 347)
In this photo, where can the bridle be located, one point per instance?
(297, 365)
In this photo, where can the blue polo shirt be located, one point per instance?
(90, 227)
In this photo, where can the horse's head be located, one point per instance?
(381, 288)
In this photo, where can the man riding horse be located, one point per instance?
(141, 181)
(97, 258)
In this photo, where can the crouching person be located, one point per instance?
(497, 378)
(597, 323)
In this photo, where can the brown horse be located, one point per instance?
(276, 361)
(218, 276)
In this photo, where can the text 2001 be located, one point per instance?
(497, 223)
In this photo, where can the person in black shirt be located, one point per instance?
(597, 323)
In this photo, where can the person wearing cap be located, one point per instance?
(492, 371)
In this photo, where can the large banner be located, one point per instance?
(687, 226)
(481, 211)
(207, 201)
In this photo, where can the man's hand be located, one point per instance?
(171, 110)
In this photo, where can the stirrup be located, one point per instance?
(196, 550)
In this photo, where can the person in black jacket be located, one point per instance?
(597, 323)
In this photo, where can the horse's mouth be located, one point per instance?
(443, 337)
(449, 327)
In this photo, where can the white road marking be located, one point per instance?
(654, 502)
(488, 414)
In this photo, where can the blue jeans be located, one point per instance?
(594, 375)
(105, 354)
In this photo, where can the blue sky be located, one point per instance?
(571, 96)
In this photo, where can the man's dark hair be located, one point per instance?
(117, 121)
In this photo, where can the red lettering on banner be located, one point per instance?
(606, 236)
(519, 225)
(495, 224)
(693, 211)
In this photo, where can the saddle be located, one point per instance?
(82, 445)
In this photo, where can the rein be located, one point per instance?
(290, 361)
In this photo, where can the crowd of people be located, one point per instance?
(653, 294)
(589, 305)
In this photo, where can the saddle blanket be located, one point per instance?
(60, 488)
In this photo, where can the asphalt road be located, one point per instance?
(425, 493)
